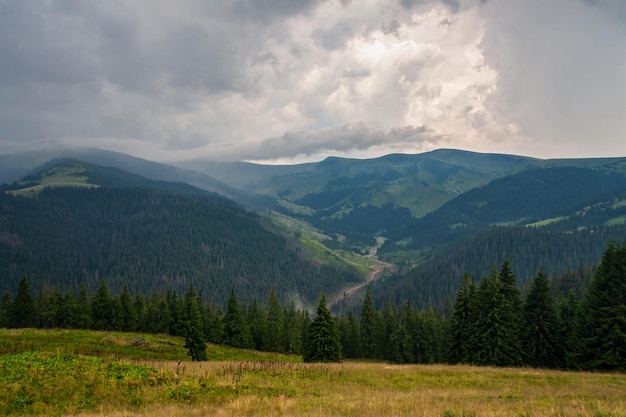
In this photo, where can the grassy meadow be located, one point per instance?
(87, 373)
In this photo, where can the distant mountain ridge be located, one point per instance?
(426, 208)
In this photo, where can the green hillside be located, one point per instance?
(150, 236)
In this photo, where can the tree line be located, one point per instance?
(489, 323)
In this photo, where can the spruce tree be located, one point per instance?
(323, 341)
(369, 327)
(602, 321)
(195, 344)
(128, 316)
(496, 344)
(103, 309)
(541, 335)
(6, 310)
(401, 341)
(508, 288)
(274, 329)
(462, 322)
(24, 313)
(236, 331)
(293, 329)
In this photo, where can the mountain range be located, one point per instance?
(417, 212)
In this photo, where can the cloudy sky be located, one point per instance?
(298, 80)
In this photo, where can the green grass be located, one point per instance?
(40, 376)
(616, 221)
(547, 221)
(66, 176)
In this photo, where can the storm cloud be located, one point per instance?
(299, 80)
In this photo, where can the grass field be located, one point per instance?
(61, 373)
(58, 177)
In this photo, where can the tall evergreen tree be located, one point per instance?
(83, 308)
(568, 317)
(400, 348)
(128, 316)
(293, 329)
(195, 344)
(323, 337)
(6, 310)
(24, 313)
(236, 331)
(274, 331)
(369, 327)
(461, 343)
(508, 288)
(494, 319)
(602, 322)
(541, 335)
(103, 309)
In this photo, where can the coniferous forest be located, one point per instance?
(488, 323)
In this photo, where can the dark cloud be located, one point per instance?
(347, 138)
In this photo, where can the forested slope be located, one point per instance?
(151, 239)
(527, 248)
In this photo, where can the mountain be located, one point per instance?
(434, 216)
(17, 166)
(527, 197)
(73, 222)
(360, 199)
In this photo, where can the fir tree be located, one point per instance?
(602, 322)
(368, 327)
(508, 288)
(323, 343)
(274, 332)
(103, 309)
(6, 310)
(236, 332)
(541, 335)
(462, 323)
(128, 316)
(24, 314)
(495, 343)
(195, 344)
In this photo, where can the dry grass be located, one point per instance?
(371, 389)
(250, 383)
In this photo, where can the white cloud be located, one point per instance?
(302, 80)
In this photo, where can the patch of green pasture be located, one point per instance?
(137, 346)
(616, 221)
(546, 221)
(66, 176)
(39, 383)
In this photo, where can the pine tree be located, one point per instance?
(83, 308)
(568, 317)
(24, 314)
(511, 293)
(103, 310)
(274, 331)
(462, 322)
(323, 343)
(128, 316)
(400, 346)
(6, 310)
(602, 322)
(236, 331)
(293, 329)
(541, 335)
(369, 327)
(195, 344)
(493, 325)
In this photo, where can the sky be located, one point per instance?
(286, 81)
